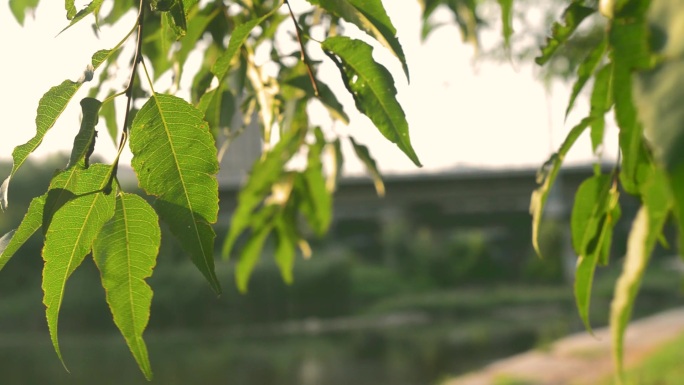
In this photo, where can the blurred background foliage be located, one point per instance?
(405, 306)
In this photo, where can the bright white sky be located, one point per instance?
(485, 115)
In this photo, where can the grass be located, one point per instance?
(664, 367)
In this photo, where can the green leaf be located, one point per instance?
(316, 191)
(373, 89)
(658, 93)
(108, 112)
(547, 176)
(325, 95)
(125, 252)
(71, 232)
(12, 241)
(177, 15)
(174, 156)
(286, 239)
(70, 7)
(250, 256)
(50, 107)
(84, 143)
(364, 155)
(585, 70)
(507, 20)
(75, 18)
(594, 214)
(265, 173)
(573, 16)
(20, 7)
(370, 16)
(646, 229)
(601, 102)
(237, 39)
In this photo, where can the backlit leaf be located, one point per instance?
(75, 18)
(20, 7)
(370, 16)
(594, 215)
(646, 229)
(364, 155)
(585, 70)
(601, 102)
(174, 156)
(125, 253)
(547, 176)
(265, 173)
(316, 191)
(237, 39)
(507, 20)
(108, 112)
(50, 107)
(85, 139)
(12, 241)
(373, 89)
(71, 232)
(573, 15)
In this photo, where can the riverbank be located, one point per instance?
(579, 359)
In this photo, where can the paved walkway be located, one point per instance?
(580, 358)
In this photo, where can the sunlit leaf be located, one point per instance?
(108, 112)
(174, 156)
(265, 173)
(50, 107)
(286, 240)
(646, 229)
(70, 6)
(75, 18)
(12, 241)
(19, 8)
(601, 102)
(71, 232)
(573, 16)
(318, 194)
(237, 39)
(547, 176)
(507, 20)
(373, 89)
(85, 139)
(594, 214)
(125, 252)
(364, 155)
(658, 94)
(585, 70)
(370, 16)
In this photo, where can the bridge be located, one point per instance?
(495, 200)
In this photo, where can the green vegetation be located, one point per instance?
(262, 60)
(663, 367)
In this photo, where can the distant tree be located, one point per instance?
(629, 50)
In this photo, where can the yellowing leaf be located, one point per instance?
(125, 253)
(174, 156)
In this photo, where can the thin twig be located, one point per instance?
(137, 58)
(303, 55)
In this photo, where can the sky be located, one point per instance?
(461, 112)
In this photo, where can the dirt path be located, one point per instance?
(579, 359)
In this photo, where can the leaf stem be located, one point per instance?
(137, 58)
(302, 50)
